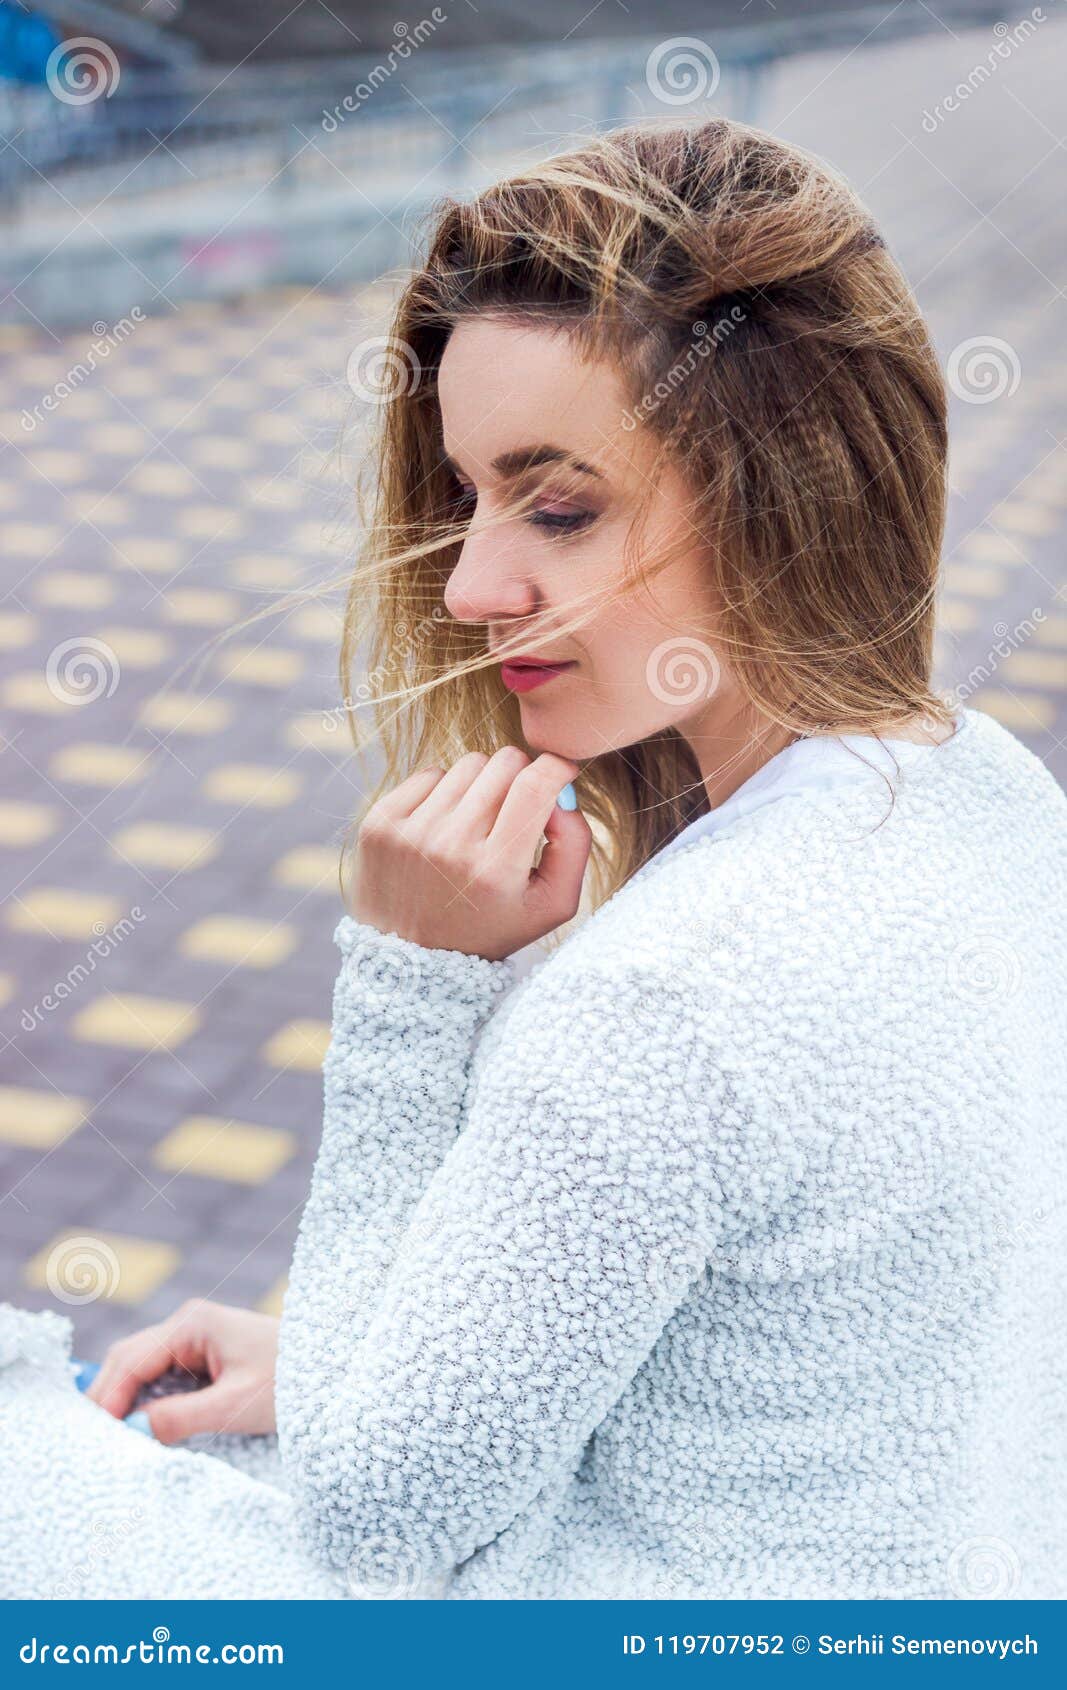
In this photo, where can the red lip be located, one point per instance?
(520, 674)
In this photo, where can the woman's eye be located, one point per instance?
(567, 522)
(557, 521)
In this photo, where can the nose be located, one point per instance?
(490, 582)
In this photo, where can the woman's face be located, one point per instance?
(642, 661)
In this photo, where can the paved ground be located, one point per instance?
(170, 812)
(170, 808)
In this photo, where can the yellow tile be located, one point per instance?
(1024, 518)
(138, 384)
(973, 578)
(163, 480)
(78, 1267)
(280, 372)
(26, 824)
(103, 509)
(222, 451)
(28, 539)
(256, 784)
(312, 868)
(38, 1118)
(1052, 631)
(224, 1149)
(957, 614)
(62, 912)
(986, 547)
(16, 630)
(206, 311)
(313, 538)
(75, 590)
(1023, 712)
(264, 666)
(317, 622)
(208, 522)
(300, 1044)
(201, 361)
(1036, 669)
(163, 416)
(136, 648)
(277, 492)
(262, 570)
(240, 940)
(61, 466)
(136, 1021)
(271, 1303)
(274, 426)
(31, 691)
(234, 395)
(1048, 485)
(186, 713)
(84, 404)
(121, 440)
(207, 607)
(322, 730)
(153, 556)
(166, 845)
(107, 766)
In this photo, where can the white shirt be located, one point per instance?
(818, 762)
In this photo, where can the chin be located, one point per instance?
(564, 739)
(568, 738)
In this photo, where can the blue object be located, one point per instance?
(87, 1372)
(25, 45)
(568, 798)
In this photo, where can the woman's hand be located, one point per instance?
(236, 1348)
(447, 860)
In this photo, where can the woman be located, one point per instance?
(719, 1255)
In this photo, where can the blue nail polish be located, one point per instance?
(87, 1372)
(568, 798)
(140, 1422)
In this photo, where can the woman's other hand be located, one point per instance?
(236, 1348)
(447, 860)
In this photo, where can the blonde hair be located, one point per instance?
(809, 422)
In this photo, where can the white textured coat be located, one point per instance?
(722, 1255)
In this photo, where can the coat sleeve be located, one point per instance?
(467, 1305)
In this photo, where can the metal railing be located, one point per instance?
(158, 129)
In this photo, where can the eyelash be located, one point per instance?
(570, 524)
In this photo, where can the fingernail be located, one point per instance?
(568, 798)
(140, 1422)
(87, 1372)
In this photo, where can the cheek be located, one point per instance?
(652, 653)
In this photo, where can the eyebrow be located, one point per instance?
(510, 464)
